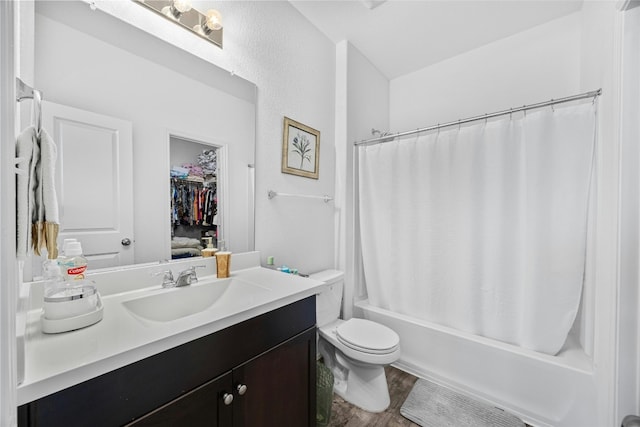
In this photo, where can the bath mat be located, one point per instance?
(431, 405)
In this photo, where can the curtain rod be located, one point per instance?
(391, 137)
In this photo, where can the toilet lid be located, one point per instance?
(367, 336)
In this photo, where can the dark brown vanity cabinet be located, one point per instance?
(204, 406)
(260, 372)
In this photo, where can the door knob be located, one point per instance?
(242, 389)
(126, 241)
(227, 398)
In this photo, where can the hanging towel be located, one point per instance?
(37, 204)
(46, 218)
(26, 144)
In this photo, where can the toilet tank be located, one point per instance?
(329, 301)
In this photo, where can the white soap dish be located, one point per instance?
(55, 326)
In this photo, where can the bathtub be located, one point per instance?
(542, 390)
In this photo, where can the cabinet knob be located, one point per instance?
(242, 389)
(227, 398)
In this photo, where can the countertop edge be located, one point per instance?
(31, 391)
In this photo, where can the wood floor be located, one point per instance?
(344, 414)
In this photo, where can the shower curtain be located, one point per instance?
(482, 228)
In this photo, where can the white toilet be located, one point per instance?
(355, 350)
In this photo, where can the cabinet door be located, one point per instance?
(204, 406)
(280, 386)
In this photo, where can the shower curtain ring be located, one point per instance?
(553, 108)
(524, 110)
(458, 125)
(510, 113)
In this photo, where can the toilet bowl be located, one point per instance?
(355, 350)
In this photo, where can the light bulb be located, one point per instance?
(182, 6)
(214, 20)
(177, 8)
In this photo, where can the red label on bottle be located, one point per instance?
(74, 271)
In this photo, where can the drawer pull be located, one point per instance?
(227, 398)
(242, 389)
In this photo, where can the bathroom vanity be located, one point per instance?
(248, 361)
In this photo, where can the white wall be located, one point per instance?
(183, 151)
(600, 56)
(76, 69)
(535, 65)
(293, 66)
(362, 103)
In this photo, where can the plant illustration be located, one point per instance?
(301, 147)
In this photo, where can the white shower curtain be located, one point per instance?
(482, 228)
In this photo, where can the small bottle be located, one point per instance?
(209, 251)
(65, 244)
(284, 269)
(62, 255)
(52, 274)
(75, 265)
(270, 263)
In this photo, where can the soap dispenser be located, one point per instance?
(223, 261)
(209, 251)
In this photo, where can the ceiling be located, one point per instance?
(402, 36)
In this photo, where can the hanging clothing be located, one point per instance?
(192, 203)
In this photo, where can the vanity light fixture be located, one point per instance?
(212, 22)
(177, 8)
(206, 25)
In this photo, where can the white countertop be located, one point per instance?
(54, 362)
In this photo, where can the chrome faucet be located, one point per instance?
(188, 276)
(167, 278)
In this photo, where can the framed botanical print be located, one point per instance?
(300, 149)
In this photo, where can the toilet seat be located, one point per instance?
(367, 336)
(330, 333)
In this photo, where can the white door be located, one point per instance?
(94, 182)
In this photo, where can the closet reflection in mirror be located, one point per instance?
(94, 63)
(195, 222)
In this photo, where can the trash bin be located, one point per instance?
(324, 394)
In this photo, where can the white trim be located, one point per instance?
(607, 290)
(628, 352)
(8, 282)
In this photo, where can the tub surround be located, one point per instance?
(55, 362)
(540, 389)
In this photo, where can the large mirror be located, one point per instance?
(120, 104)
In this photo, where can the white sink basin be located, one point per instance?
(171, 304)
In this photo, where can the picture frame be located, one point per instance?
(300, 149)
